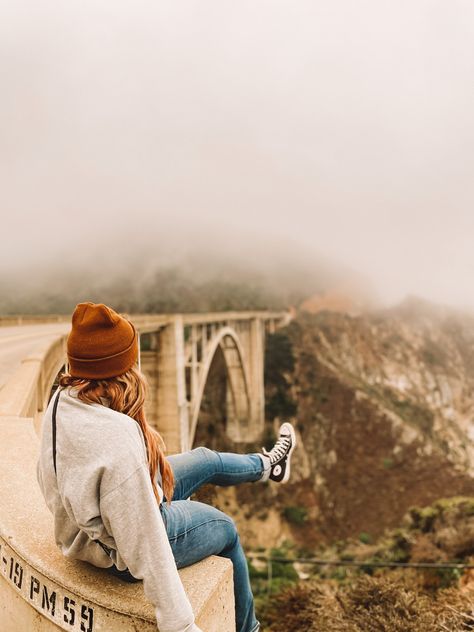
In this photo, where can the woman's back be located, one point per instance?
(97, 448)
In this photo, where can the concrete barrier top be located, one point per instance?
(72, 594)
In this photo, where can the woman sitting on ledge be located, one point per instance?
(118, 502)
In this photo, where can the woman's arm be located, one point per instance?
(132, 517)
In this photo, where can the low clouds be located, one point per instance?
(144, 130)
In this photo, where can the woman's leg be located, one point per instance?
(195, 531)
(202, 465)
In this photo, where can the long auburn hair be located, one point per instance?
(127, 393)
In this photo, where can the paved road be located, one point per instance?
(19, 342)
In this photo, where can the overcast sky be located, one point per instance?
(344, 127)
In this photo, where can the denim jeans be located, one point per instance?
(196, 530)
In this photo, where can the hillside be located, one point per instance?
(382, 402)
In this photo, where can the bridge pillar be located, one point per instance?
(171, 402)
(256, 371)
(250, 428)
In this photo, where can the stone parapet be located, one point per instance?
(42, 591)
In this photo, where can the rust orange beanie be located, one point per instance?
(101, 343)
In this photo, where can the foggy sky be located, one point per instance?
(341, 127)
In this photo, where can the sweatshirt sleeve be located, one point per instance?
(132, 516)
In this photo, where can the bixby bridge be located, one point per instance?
(177, 351)
(37, 584)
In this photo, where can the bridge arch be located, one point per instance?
(178, 360)
(237, 379)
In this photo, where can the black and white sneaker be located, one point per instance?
(280, 455)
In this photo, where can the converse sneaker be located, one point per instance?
(280, 455)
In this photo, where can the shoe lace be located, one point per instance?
(279, 449)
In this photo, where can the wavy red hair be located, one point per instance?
(127, 393)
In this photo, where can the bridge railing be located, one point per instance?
(33, 319)
(26, 393)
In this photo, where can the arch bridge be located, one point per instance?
(177, 356)
(177, 351)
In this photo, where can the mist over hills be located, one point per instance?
(272, 276)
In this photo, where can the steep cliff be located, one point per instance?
(383, 403)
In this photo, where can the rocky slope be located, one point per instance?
(383, 403)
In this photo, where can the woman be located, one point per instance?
(117, 501)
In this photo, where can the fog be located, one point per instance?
(140, 132)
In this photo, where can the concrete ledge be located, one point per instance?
(33, 319)
(26, 391)
(72, 595)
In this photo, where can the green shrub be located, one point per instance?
(284, 570)
(423, 518)
(255, 573)
(296, 515)
(448, 576)
(421, 417)
(400, 547)
(365, 538)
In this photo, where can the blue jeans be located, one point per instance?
(196, 530)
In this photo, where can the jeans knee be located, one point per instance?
(232, 534)
(211, 456)
(202, 450)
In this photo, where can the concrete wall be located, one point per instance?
(17, 615)
(42, 590)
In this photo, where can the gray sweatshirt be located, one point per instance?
(103, 491)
